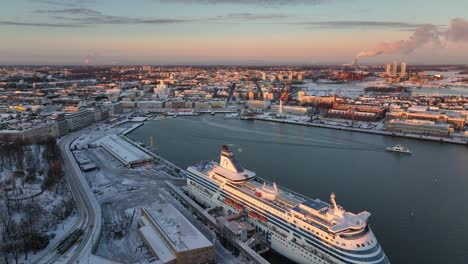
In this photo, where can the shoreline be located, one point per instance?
(361, 130)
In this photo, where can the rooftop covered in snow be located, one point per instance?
(123, 150)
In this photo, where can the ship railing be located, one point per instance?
(301, 196)
(282, 210)
(355, 235)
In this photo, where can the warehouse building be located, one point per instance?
(171, 238)
(130, 155)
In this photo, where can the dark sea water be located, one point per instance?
(433, 182)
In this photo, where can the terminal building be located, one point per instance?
(292, 110)
(130, 155)
(420, 127)
(171, 238)
(455, 119)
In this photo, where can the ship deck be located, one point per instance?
(288, 201)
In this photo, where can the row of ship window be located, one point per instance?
(304, 253)
(321, 235)
(202, 190)
(362, 245)
(338, 243)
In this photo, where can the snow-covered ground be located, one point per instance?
(29, 193)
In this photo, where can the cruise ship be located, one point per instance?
(303, 230)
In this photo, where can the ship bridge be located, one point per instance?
(333, 217)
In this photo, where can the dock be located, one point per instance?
(362, 130)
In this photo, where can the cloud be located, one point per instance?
(423, 36)
(118, 20)
(458, 30)
(71, 11)
(90, 17)
(34, 24)
(65, 3)
(247, 17)
(248, 2)
(363, 24)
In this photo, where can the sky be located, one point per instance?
(159, 32)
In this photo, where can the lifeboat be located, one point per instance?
(263, 219)
(239, 207)
(228, 201)
(253, 215)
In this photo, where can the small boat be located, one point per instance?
(231, 116)
(213, 112)
(399, 148)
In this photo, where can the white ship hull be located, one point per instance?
(282, 246)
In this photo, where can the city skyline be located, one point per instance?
(232, 32)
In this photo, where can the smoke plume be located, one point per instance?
(422, 36)
(458, 30)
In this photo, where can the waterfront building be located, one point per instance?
(318, 101)
(258, 105)
(201, 105)
(420, 127)
(455, 119)
(352, 115)
(217, 103)
(292, 110)
(150, 104)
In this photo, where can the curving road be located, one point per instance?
(89, 210)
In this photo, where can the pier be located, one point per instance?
(361, 130)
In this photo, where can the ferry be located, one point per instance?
(302, 229)
(399, 148)
(182, 112)
(231, 116)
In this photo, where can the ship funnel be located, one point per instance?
(228, 161)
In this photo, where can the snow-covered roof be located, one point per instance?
(156, 244)
(123, 150)
(182, 234)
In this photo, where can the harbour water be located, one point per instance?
(418, 202)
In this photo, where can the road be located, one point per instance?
(89, 210)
